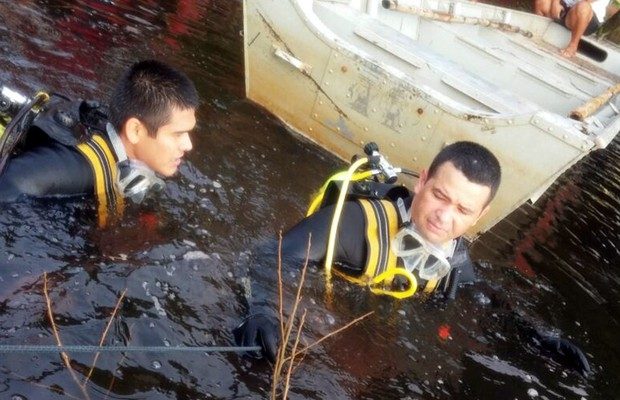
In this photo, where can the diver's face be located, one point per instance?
(164, 151)
(447, 204)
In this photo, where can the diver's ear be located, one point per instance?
(134, 130)
(421, 181)
(482, 213)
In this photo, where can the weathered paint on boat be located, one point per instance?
(345, 73)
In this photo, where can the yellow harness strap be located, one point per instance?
(338, 176)
(381, 225)
(101, 159)
(381, 263)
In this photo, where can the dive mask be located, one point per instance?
(134, 179)
(417, 253)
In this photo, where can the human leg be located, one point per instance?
(542, 7)
(577, 20)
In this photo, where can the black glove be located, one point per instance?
(259, 330)
(565, 352)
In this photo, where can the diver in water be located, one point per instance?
(56, 147)
(390, 240)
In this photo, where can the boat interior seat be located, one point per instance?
(451, 74)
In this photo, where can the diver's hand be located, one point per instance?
(259, 330)
(566, 352)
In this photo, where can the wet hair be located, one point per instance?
(149, 91)
(475, 161)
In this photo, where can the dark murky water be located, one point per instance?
(554, 264)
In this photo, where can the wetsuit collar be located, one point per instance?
(117, 143)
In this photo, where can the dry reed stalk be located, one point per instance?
(107, 394)
(104, 334)
(281, 355)
(280, 302)
(293, 351)
(64, 355)
(342, 328)
(282, 358)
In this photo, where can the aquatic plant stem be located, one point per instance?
(293, 351)
(281, 355)
(280, 305)
(282, 358)
(104, 334)
(342, 328)
(64, 355)
(107, 394)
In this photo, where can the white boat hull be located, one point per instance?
(343, 78)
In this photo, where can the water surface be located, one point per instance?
(180, 258)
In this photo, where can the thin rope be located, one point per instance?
(123, 349)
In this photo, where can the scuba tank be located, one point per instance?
(371, 177)
(55, 116)
(17, 113)
(368, 177)
(81, 124)
(28, 122)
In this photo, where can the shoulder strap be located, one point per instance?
(103, 164)
(381, 224)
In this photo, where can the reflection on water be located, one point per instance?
(554, 264)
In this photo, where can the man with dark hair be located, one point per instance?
(428, 253)
(396, 251)
(71, 149)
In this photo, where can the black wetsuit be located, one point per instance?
(349, 256)
(261, 328)
(350, 249)
(49, 169)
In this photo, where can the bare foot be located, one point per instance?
(569, 51)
